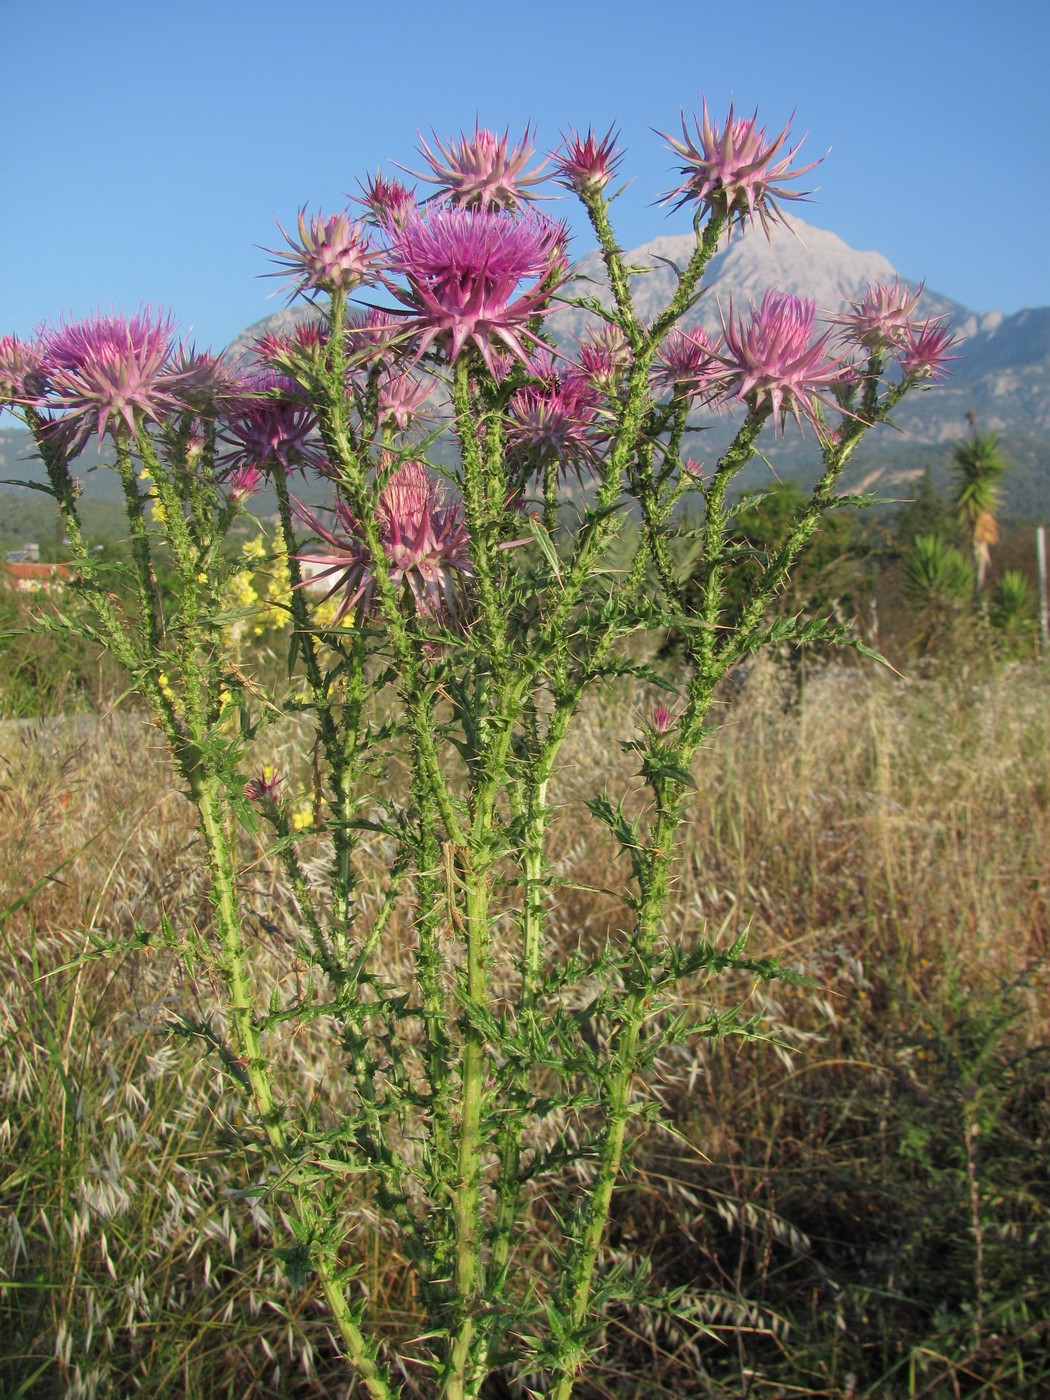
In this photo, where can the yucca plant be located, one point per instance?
(978, 467)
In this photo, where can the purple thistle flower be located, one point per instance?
(330, 255)
(734, 171)
(377, 335)
(388, 202)
(109, 371)
(285, 352)
(585, 163)
(463, 270)
(401, 396)
(266, 788)
(774, 364)
(267, 423)
(481, 172)
(22, 377)
(243, 481)
(603, 357)
(925, 350)
(205, 379)
(661, 719)
(555, 421)
(882, 317)
(689, 364)
(425, 543)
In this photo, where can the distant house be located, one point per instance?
(28, 554)
(36, 578)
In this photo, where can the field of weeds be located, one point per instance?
(856, 1205)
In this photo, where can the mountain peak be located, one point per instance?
(797, 258)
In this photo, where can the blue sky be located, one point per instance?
(146, 148)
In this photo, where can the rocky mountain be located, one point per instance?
(1000, 359)
(1001, 371)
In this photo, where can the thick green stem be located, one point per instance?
(594, 1213)
(463, 1373)
(482, 515)
(233, 961)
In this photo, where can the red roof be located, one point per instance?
(23, 575)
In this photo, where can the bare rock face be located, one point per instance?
(798, 258)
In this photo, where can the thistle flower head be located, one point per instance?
(269, 425)
(734, 172)
(243, 481)
(109, 372)
(661, 719)
(924, 352)
(386, 202)
(266, 788)
(205, 380)
(329, 255)
(556, 421)
(22, 376)
(482, 171)
(401, 398)
(586, 164)
(463, 270)
(284, 352)
(377, 335)
(689, 364)
(774, 364)
(424, 543)
(882, 317)
(603, 356)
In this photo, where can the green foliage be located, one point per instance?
(928, 513)
(936, 576)
(1011, 610)
(43, 670)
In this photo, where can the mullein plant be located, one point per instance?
(491, 1096)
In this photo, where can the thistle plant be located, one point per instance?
(448, 624)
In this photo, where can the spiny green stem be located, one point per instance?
(241, 1009)
(481, 514)
(594, 1213)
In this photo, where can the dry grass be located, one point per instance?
(886, 837)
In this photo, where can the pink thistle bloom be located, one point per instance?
(689, 364)
(266, 788)
(388, 201)
(425, 543)
(284, 352)
(661, 719)
(205, 378)
(330, 255)
(925, 350)
(481, 172)
(603, 357)
(401, 396)
(378, 335)
(463, 270)
(109, 371)
(693, 468)
(243, 481)
(774, 364)
(734, 171)
(555, 422)
(22, 377)
(267, 424)
(585, 163)
(882, 317)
